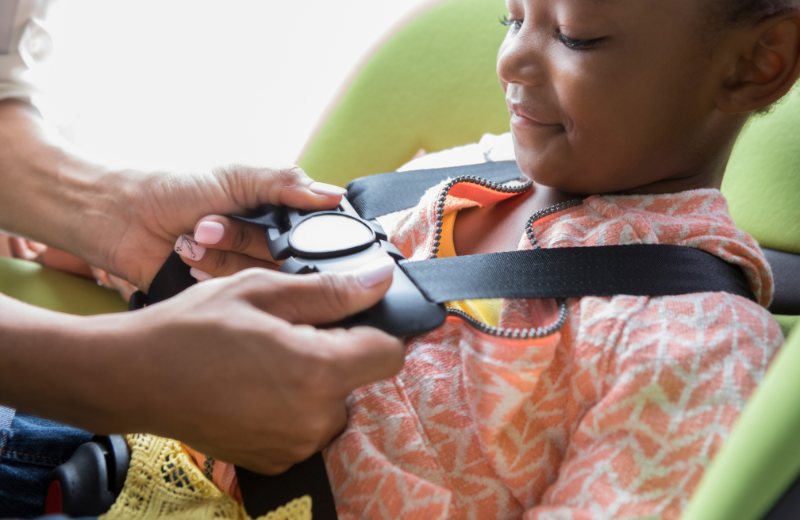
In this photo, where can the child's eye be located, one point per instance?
(515, 24)
(576, 44)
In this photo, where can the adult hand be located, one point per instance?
(154, 209)
(124, 222)
(223, 246)
(228, 366)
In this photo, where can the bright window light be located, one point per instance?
(186, 84)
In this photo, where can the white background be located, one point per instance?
(185, 84)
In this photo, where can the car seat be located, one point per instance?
(54, 290)
(432, 85)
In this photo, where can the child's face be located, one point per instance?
(613, 95)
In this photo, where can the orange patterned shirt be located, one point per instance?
(615, 416)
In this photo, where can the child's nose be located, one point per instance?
(520, 60)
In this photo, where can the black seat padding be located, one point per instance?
(788, 507)
(786, 273)
(386, 193)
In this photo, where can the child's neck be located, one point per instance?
(499, 227)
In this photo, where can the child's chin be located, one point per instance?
(556, 176)
(540, 168)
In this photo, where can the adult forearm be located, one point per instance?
(227, 366)
(51, 365)
(47, 192)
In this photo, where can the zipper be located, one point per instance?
(555, 208)
(510, 332)
(470, 179)
(526, 184)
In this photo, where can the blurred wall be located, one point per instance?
(186, 84)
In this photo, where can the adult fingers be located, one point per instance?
(288, 186)
(273, 454)
(210, 263)
(223, 246)
(319, 298)
(20, 248)
(228, 234)
(364, 355)
(341, 360)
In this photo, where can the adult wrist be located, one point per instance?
(47, 191)
(62, 367)
(101, 200)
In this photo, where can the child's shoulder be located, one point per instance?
(696, 218)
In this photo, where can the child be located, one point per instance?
(624, 115)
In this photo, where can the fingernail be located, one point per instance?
(201, 276)
(209, 232)
(188, 248)
(375, 272)
(320, 188)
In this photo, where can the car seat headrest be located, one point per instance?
(762, 182)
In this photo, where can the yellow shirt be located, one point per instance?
(486, 311)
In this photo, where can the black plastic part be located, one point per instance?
(93, 477)
(171, 279)
(266, 215)
(294, 266)
(788, 507)
(138, 300)
(378, 229)
(403, 311)
(278, 243)
(118, 459)
(386, 193)
(786, 274)
(264, 493)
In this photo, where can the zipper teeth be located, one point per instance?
(470, 179)
(555, 208)
(511, 333)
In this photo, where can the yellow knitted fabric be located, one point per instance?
(164, 483)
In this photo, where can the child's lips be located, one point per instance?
(521, 117)
(524, 122)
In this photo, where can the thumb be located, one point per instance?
(362, 355)
(327, 297)
(290, 186)
(248, 187)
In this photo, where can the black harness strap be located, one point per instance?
(265, 493)
(572, 272)
(788, 506)
(386, 193)
(786, 278)
(652, 270)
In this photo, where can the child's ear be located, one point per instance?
(767, 68)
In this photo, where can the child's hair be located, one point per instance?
(736, 12)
